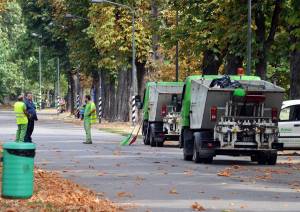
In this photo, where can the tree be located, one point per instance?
(294, 35)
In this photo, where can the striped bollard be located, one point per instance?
(100, 109)
(77, 103)
(58, 106)
(133, 113)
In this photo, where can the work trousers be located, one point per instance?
(88, 133)
(21, 132)
(30, 128)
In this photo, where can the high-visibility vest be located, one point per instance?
(21, 117)
(94, 114)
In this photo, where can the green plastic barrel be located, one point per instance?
(18, 167)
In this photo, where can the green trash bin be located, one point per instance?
(18, 167)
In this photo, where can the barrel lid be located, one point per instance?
(18, 145)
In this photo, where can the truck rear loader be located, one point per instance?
(161, 112)
(234, 115)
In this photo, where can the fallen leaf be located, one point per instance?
(173, 191)
(124, 194)
(101, 174)
(188, 173)
(225, 173)
(197, 207)
(11, 210)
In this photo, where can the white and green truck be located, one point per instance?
(239, 119)
(161, 112)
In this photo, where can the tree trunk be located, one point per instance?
(96, 88)
(295, 70)
(71, 89)
(155, 36)
(105, 94)
(112, 97)
(263, 42)
(233, 63)
(261, 65)
(141, 76)
(211, 62)
(123, 95)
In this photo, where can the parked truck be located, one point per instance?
(234, 115)
(161, 112)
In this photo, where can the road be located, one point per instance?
(157, 179)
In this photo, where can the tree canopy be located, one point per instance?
(94, 43)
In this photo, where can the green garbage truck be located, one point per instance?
(161, 106)
(232, 115)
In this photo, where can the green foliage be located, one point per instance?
(111, 29)
(99, 37)
(11, 30)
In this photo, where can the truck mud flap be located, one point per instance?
(205, 153)
(278, 146)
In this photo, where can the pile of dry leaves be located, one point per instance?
(54, 193)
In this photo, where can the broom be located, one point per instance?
(135, 137)
(127, 139)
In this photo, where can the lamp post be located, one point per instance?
(249, 38)
(58, 77)
(40, 69)
(134, 88)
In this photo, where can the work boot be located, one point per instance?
(87, 142)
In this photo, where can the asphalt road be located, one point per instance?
(157, 179)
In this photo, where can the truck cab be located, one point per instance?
(289, 124)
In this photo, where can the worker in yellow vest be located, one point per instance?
(21, 118)
(90, 117)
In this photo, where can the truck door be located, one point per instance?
(289, 126)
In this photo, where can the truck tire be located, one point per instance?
(154, 141)
(254, 158)
(188, 144)
(201, 154)
(196, 155)
(154, 130)
(262, 158)
(146, 133)
(272, 158)
(187, 157)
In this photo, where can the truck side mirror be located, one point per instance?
(138, 102)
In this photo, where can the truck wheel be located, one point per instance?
(200, 154)
(188, 144)
(272, 158)
(196, 155)
(254, 158)
(146, 135)
(262, 158)
(187, 157)
(146, 140)
(154, 142)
